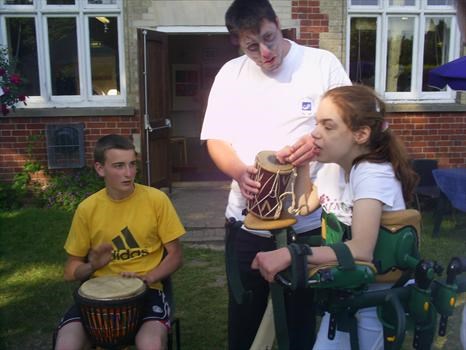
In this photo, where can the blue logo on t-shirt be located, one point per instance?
(306, 106)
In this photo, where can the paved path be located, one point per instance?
(201, 207)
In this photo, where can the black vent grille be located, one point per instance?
(65, 146)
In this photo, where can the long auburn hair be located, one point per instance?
(360, 106)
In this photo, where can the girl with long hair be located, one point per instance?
(368, 173)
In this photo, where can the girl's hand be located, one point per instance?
(271, 263)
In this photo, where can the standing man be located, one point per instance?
(122, 212)
(264, 100)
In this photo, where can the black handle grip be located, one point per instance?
(442, 328)
(282, 280)
(400, 325)
(456, 266)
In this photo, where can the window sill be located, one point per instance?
(73, 112)
(425, 107)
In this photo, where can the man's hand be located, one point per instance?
(284, 154)
(100, 256)
(271, 263)
(301, 152)
(247, 185)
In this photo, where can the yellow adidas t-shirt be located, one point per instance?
(137, 227)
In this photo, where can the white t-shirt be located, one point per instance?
(256, 111)
(366, 180)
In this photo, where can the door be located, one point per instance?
(154, 97)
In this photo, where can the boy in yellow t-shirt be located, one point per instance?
(124, 230)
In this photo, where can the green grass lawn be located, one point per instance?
(33, 294)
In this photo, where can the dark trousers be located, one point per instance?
(244, 319)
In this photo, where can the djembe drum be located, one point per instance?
(111, 309)
(275, 179)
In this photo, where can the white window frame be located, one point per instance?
(82, 11)
(420, 11)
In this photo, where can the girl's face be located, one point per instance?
(332, 137)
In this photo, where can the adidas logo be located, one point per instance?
(126, 246)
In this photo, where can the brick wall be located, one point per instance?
(15, 134)
(440, 136)
(312, 21)
(321, 24)
(426, 135)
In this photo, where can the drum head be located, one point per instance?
(111, 288)
(268, 161)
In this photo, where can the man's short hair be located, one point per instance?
(248, 15)
(111, 141)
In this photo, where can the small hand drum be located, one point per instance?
(111, 309)
(274, 178)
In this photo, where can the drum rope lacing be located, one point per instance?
(273, 194)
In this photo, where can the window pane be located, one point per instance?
(399, 54)
(60, 2)
(400, 3)
(364, 2)
(19, 2)
(362, 50)
(440, 2)
(436, 46)
(103, 32)
(21, 34)
(63, 56)
(101, 2)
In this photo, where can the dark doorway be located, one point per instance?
(194, 60)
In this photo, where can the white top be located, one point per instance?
(366, 180)
(256, 111)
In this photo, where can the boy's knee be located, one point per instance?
(152, 336)
(72, 337)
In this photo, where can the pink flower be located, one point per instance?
(2, 71)
(6, 90)
(15, 79)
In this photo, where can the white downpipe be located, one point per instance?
(147, 126)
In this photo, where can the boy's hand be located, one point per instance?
(146, 278)
(100, 256)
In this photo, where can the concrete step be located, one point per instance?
(201, 208)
